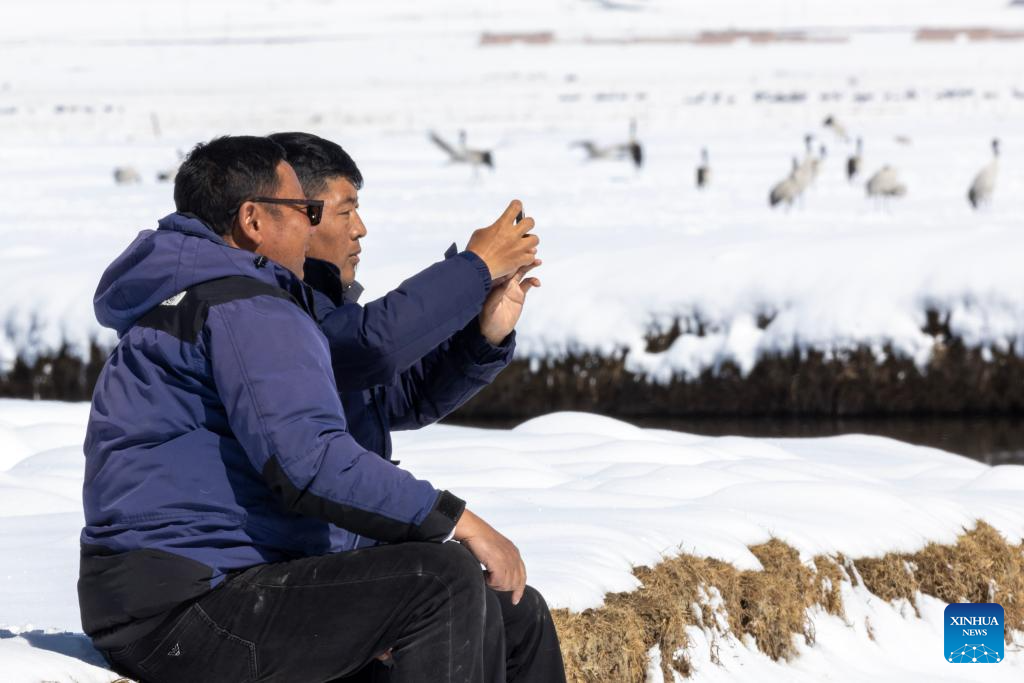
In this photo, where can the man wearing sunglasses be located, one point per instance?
(224, 496)
(413, 356)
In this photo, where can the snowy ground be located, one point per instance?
(623, 251)
(585, 498)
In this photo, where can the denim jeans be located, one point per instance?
(326, 618)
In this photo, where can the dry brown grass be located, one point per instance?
(889, 577)
(769, 605)
(830, 575)
(610, 644)
(980, 567)
(606, 644)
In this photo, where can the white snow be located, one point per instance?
(586, 498)
(624, 252)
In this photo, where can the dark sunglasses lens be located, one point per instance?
(315, 212)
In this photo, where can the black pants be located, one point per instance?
(326, 618)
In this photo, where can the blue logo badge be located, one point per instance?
(974, 633)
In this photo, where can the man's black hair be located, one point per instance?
(217, 176)
(317, 161)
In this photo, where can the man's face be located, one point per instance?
(287, 228)
(337, 237)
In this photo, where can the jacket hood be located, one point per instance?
(182, 252)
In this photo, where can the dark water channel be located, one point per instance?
(991, 440)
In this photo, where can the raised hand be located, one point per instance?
(504, 304)
(505, 246)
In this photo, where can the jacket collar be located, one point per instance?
(325, 277)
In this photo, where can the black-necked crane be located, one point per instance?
(703, 170)
(984, 183)
(854, 163)
(885, 183)
(126, 175)
(167, 174)
(804, 173)
(817, 162)
(787, 190)
(463, 154)
(631, 149)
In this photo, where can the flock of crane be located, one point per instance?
(630, 150)
(885, 183)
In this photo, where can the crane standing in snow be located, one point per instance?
(886, 183)
(804, 173)
(816, 163)
(126, 175)
(985, 182)
(167, 174)
(631, 149)
(787, 190)
(463, 154)
(854, 163)
(704, 170)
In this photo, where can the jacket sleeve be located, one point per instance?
(446, 378)
(271, 369)
(370, 345)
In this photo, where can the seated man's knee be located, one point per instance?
(533, 601)
(531, 609)
(455, 565)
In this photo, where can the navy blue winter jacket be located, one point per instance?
(413, 356)
(216, 439)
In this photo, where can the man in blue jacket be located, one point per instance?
(413, 356)
(223, 492)
(416, 354)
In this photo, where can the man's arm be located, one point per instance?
(446, 378)
(272, 372)
(371, 345)
(458, 369)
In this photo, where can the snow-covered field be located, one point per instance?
(585, 498)
(87, 87)
(624, 251)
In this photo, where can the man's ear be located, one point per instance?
(247, 230)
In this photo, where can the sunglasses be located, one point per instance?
(314, 208)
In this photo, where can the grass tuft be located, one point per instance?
(610, 644)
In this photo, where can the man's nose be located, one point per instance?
(358, 229)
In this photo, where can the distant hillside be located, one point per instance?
(239, 20)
